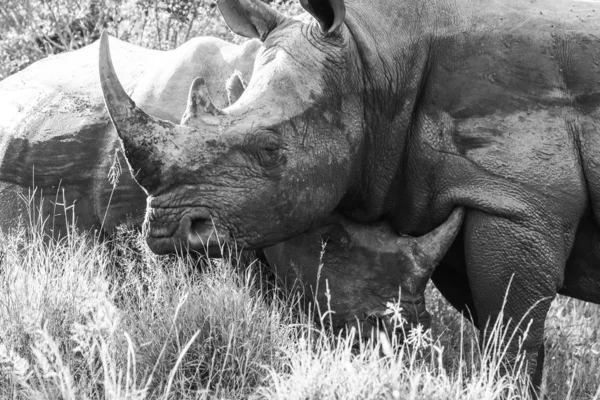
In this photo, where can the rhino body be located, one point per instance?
(55, 132)
(399, 111)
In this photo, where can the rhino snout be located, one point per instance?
(195, 231)
(203, 236)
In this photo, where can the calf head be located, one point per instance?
(363, 272)
(271, 165)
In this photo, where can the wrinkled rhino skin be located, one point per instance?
(55, 131)
(400, 110)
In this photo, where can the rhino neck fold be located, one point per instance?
(389, 102)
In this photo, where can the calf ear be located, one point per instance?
(235, 87)
(250, 18)
(329, 13)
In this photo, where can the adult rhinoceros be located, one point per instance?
(55, 131)
(398, 110)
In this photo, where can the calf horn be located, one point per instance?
(139, 132)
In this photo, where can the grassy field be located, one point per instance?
(85, 319)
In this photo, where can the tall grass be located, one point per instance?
(81, 318)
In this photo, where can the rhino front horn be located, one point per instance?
(427, 251)
(137, 130)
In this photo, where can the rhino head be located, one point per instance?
(365, 274)
(273, 164)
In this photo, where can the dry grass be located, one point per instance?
(83, 319)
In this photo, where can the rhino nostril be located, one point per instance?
(201, 227)
(203, 233)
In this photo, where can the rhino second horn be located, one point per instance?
(199, 103)
(235, 87)
(428, 250)
(136, 129)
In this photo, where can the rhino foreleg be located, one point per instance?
(515, 269)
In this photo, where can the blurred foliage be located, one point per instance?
(33, 29)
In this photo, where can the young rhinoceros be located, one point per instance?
(366, 269)
(55, 132)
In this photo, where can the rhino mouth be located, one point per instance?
(195, 231)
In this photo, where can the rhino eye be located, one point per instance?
(267, 149)
(270, 156)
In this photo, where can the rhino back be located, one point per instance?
(499, 83)
(521, 90)
(55, 133)
(520, 56)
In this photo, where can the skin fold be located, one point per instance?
(398, 112)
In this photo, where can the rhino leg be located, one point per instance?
(528, 258)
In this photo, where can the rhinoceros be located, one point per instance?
(364, 275)
(398, 111)
(55, 132)
(47, 94)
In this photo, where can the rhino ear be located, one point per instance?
(250, 18)
(235, 87)
(329, 13)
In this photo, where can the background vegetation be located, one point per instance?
(33, 29)
(82, 319)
